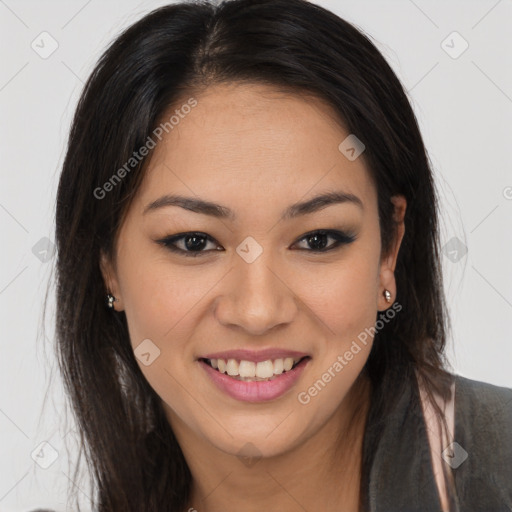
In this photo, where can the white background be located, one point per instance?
(464, 106)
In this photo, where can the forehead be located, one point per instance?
(247, 142)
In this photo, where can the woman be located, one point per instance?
(251, 313)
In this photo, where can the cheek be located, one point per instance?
(346, 307)
(161, 298)
(161, 303)
(344, 295)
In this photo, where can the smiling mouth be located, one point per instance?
(250, 371)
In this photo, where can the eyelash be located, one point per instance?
(340, 237)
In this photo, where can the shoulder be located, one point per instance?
(483, 413)
(483, 433)
(482, 402)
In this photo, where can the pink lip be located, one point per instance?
(255, 355)
(255, 391)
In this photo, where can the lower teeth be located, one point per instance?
(252, 379)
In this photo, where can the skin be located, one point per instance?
(257, 151)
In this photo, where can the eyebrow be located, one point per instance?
(222, 212)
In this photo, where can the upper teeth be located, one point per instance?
(263, 369)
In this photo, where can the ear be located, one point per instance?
(110, 279)
(388, 263)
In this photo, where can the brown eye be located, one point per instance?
(192, 244)
(318, 240)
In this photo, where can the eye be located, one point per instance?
(318, 239)
(192, 243)
(195, 243)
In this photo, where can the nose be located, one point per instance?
(255, 298)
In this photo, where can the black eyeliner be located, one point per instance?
(341, 237)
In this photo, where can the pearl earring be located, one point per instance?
(110, 300)
(387, 295)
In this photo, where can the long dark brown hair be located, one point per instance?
(172, 53)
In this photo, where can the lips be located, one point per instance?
(255, 390)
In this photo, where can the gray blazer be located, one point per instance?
(402, 478)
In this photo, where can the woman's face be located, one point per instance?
(251, 279)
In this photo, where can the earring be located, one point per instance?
(110, 300)
(387, 295)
